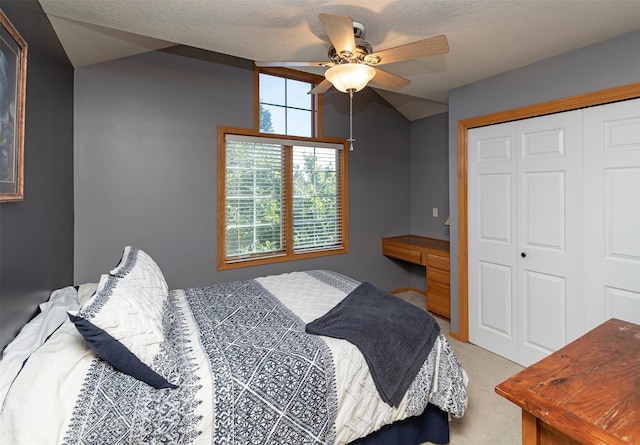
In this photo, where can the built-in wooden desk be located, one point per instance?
(585, 393)
(432, 253)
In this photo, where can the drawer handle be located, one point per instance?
(523, 255)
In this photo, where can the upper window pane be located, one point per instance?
(298, 94)
(273, 119)
(285, 106)
(299, 122)
(272, 90)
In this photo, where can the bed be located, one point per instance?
(133, 362)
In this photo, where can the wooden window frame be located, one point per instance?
(288, 254)
(343, 181)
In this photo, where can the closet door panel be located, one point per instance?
(622, 225)
(550, 213)
(495, 297)
(492, 247)
(612, 212)
(543, 211)
(622, 304)
(544, 309)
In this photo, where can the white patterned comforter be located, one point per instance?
(248, 375)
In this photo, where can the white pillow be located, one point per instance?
(85, 292)
(123, 324)
(139, 268)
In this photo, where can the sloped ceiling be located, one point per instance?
(486, 37)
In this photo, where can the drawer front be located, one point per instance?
(438, 300)
(437, 261)
(441, 276)
(413, 256)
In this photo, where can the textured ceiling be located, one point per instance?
(486, 37)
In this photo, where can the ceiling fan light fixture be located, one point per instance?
(350, 76)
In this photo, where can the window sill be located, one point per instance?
(224, 264)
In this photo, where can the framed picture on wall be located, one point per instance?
(13, 76)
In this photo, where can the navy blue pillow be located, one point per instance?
(117, 355)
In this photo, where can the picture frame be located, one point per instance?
(13, 77)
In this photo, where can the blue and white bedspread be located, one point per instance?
(246, 374)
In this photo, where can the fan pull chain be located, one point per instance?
(351, 139)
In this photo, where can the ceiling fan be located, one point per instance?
(352, 62)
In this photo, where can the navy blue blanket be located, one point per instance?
(394, 336)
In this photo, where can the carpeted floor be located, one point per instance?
(489, 419)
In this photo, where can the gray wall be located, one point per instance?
(36, 235)
(429, 183)
(604, 65)
(430, 176)
(145, 167)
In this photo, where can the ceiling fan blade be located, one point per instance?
(321, 87)
(276, 64)
(388, 80)
(340, 31)
(422, 48)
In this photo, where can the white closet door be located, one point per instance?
(550, 216)
(612, 210)
(492, 239)
(525, 236)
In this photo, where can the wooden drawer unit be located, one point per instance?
(438, 276)
(440, 262)
(429, 252)
(438, 300)
(438, 284)
(402, 253)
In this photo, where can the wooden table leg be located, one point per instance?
(529, 429)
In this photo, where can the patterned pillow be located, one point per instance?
(123, 324)
(140, 269)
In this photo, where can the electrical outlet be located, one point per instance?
(435, 212)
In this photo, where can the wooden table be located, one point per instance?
(432, 253)
(585, 393)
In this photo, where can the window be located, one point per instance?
(284, 105)
(279, 199)
(281, 186)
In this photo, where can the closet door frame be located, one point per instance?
(616, 94)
